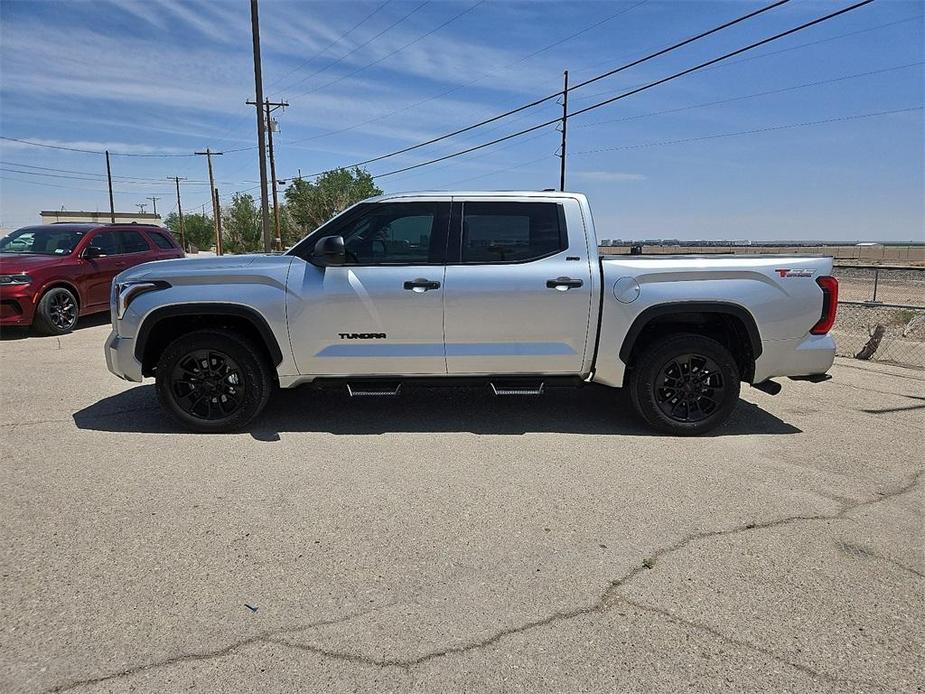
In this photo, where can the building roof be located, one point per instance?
(97, 213)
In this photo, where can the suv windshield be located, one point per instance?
(41, 241)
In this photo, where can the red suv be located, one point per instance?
(51, 274)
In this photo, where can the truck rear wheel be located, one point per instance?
(213, 381)
(684, 384)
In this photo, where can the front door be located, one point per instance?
(99, 271)
(381, 313)
(518, 288)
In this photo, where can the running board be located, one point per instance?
(517, 388)
(373, 389)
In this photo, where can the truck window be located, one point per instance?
(133, 242)
(161, 241)
(107, 242)
(411, 233)
(510, 232)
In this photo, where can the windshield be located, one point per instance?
(41, 241)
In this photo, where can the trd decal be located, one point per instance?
(795, 272)
(362, 336)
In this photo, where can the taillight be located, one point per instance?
(829, 287)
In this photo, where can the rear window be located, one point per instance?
(161, 240)
(510, 232)
(133, 242)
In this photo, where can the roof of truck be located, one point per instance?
(475, 194)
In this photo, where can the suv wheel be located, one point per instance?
(56, 313)
(213, 380)
(685, 384)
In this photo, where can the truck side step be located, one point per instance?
(372, 389)
(517, 387)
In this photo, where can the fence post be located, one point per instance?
(876, 282)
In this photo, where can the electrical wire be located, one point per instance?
(324, 50)
(753, 131)
(467, 84)
(549, 97)
(637, 90)
(89, 151)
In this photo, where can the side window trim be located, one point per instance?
(457, 238)
(102, 232)
(122, 233)
(439, 236)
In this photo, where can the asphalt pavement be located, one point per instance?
(449, 541)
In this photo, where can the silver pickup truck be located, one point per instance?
(505, 289)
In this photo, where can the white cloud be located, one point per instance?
(608, 176)
(117, 147)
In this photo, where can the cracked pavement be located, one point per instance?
(448, 541)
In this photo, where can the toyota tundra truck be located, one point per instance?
(503, 289)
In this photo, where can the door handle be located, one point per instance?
(421, 285)
(563, 283)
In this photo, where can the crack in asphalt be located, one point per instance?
(261, 637)
(609, 597)
(697, 626)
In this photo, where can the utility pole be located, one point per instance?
(215, 211)
(261, 137)
(564, 126)
(141, 206)
(154, 200)
(219, 250)
(112, 206)
(269, 107)
(177, 180)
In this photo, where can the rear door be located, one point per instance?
(518, 287)
(380, 314)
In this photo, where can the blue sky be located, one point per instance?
(172, 77)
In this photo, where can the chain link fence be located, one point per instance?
(881, 313)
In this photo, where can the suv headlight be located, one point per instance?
(7, 280)
(123, 293)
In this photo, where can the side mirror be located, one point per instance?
(329, 251)
(92, 252)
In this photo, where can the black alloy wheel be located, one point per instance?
(213, 380)
(207, 384)
(689, 388)
(63, 310)
(684, 384)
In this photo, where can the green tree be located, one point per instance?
(311, 203)
(241, 232)
(198, 229)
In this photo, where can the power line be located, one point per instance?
(362, 45)
(324, 50)
(753, 131)
(90, 176)
(549, 97)
(637, 90)
(742, 97)
(468, 84)
(389, 55)
(88, 151)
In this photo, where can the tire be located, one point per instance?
(213, 381)
(684, 384)
(56, 312)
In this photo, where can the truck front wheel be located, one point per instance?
(213, 381)
(684, 384)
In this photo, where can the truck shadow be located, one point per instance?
(590, 410)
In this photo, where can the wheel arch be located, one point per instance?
(166, 323)
(732, 323)
(61, 284)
